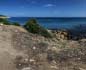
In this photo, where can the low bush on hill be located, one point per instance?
(33, 27)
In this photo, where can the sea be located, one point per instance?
(53, 22)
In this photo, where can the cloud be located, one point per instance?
(49, 5)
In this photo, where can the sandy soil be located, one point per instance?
(7, 51)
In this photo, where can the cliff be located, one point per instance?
(21, 50)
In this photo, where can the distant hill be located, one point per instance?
(3, 16)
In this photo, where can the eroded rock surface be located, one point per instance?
(21, 50)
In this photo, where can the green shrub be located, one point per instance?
(4, 21)
(45, 33)
(16, 24)
(33, 27)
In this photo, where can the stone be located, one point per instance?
(27, 68)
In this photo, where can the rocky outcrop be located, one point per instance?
(61, 34)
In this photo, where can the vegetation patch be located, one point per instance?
(33, 27)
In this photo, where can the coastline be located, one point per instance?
(4, 17)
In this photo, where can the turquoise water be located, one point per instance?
(52, 23)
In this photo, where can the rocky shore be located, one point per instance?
(22, 50)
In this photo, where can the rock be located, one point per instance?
(54, 67)
(61, 34)
(1, 24)
(32, 60)
(81, 69)
(27, 68)
(34, 48)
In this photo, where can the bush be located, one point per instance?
(33, 27)
(4, 21)
(16, 24)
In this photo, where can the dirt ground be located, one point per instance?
(7, 51)
(20, 50)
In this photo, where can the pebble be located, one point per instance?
(55, 67)
(27, 68)
(31, 60)
(34, 48)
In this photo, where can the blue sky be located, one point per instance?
(43, 8)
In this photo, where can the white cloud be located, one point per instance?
(49, 5)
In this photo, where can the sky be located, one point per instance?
(43, 8)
